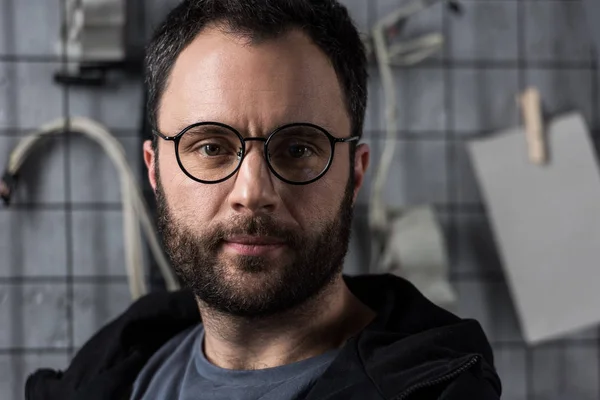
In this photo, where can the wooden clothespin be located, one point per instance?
(534, 126)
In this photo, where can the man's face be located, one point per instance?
(253, 245)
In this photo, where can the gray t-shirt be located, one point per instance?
(180, 371)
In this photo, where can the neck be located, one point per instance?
(321, 324)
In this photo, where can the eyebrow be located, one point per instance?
(208, 129)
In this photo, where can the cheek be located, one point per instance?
(313, 205)
(188, 200)
(320, 201)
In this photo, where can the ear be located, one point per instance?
(150, 160)
(361, 163)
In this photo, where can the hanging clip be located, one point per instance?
(534, 126)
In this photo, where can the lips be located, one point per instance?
(254, 245)
(254, 240)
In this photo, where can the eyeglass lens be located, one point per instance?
(298, 153)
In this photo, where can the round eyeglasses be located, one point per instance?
(212, 152)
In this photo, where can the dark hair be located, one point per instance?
(326, 22)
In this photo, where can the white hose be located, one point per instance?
(377, 209)
(135, 210)
(404, 53)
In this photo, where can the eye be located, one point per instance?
(299, 151)
(210, 149)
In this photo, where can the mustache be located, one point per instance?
(260, 225)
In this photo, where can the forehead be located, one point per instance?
(253, 87)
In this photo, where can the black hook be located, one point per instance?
(455, 7)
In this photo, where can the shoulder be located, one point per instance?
(473, 384)
(108, 364)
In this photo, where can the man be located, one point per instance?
(258, 107)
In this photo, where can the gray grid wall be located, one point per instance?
(61, 252)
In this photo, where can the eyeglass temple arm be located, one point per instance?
(161, 135)
(350, 139)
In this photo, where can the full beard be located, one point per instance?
(255, 286)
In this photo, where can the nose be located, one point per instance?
(253, 190)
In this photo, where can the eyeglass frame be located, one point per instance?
(332, 141)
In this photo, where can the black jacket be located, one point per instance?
(412, 350)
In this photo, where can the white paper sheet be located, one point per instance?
(546, 220)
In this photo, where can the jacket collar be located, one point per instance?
(410, 344)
